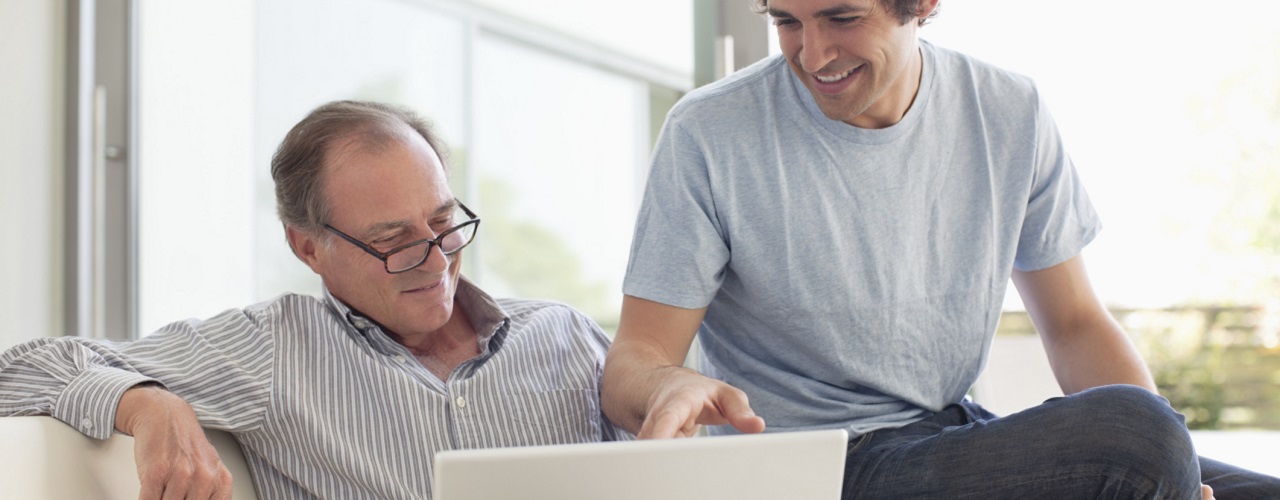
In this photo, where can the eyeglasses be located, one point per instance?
(409, 256)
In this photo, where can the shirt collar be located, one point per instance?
(488, 318)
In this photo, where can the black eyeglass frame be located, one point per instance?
(431, 242)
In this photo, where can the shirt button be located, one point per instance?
(86, 424)
(399, 359)
(461, 402)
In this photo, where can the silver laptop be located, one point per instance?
(808, 465)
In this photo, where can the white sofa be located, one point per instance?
(43, 458)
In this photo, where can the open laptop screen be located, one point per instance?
(807, 465)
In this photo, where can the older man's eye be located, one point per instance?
(385, 241)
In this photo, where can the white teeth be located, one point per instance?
(836, 78)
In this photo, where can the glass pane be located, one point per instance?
(195, 159)
(656, 31)
(220, 84)
(1174, 136)
(1177, 138)
(554, 164)
(559, 150)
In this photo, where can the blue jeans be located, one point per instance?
(1108, 442)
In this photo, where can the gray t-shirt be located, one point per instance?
(853, 278)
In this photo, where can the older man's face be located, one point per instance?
(386, 197)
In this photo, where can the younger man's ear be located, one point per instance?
(304, 246)
(925, 7)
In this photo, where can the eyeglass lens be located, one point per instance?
(450, 242)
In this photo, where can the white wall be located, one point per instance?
(32, 55)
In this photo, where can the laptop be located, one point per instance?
(807, 464)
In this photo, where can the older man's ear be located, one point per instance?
(305, 246)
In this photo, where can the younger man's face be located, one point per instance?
(852, 55)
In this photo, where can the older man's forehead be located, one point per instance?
(388, 187)
(379, 227)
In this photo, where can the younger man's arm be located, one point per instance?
(646, 389)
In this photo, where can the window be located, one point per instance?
(559, 205)
(549, 131)
(1173, 121)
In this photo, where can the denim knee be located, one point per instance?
(1139, 431)
(1125, 404)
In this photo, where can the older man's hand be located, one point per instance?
(175, 459)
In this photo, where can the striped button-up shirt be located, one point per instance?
(323, 402)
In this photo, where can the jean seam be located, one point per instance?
(1127, 482)
(862, 441)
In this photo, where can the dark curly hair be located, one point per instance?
(904, 10)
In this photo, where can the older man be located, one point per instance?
(350, 395)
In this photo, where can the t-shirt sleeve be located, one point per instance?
(680, 249)
(1060, 220)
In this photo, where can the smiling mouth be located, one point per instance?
(426, 287)
(835, 78)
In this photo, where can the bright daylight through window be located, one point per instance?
(1171, 114)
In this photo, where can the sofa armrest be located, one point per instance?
(45, 458)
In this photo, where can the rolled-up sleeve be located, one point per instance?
(220, 366)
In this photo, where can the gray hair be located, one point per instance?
(298, 166)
